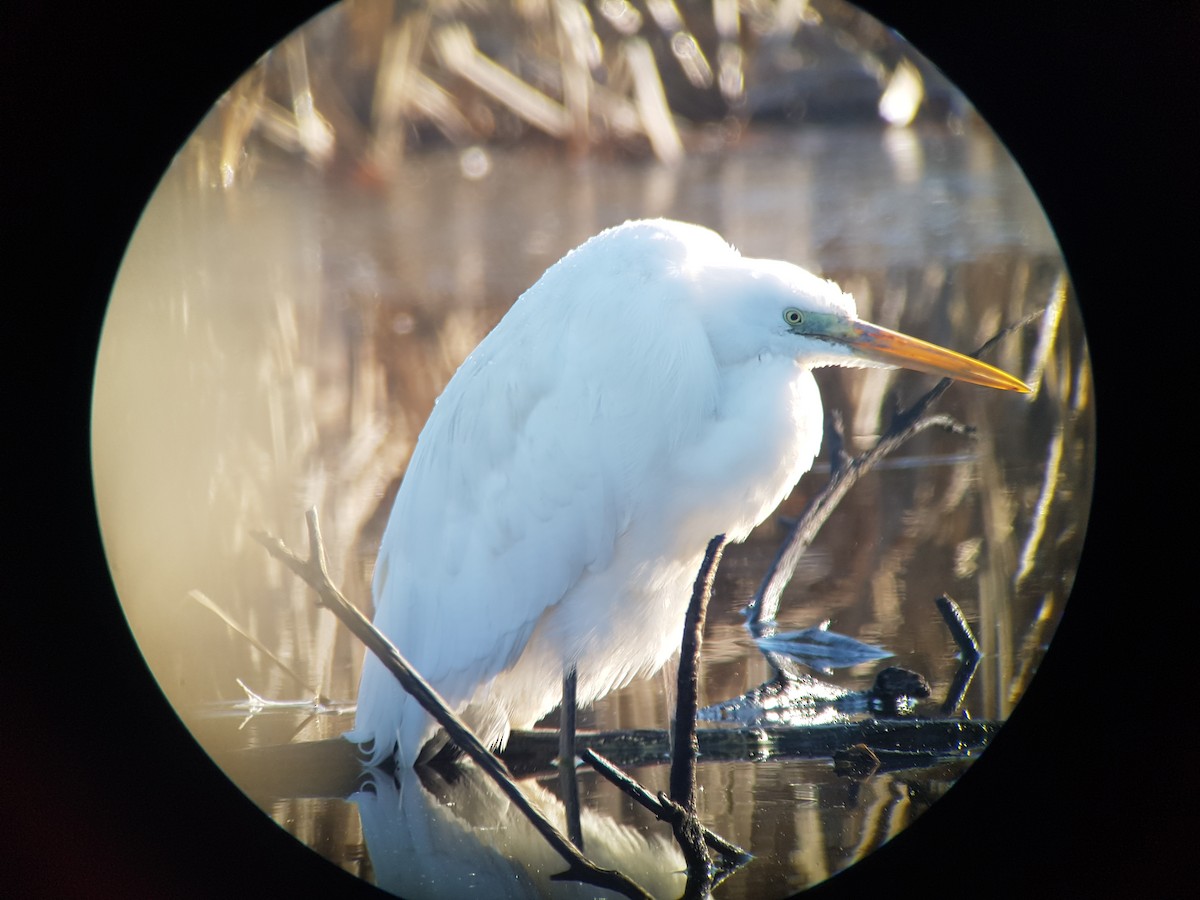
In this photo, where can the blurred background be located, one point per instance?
(364, 204)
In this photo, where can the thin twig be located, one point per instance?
(765, 604)
(967, 645)
(315, 574)
(683, 761)
(680, 807)
(209, 604)
(732, 853)
(959, 629)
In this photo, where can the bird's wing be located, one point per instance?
(497, 518)
(530, 467)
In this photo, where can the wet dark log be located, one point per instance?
(529, 752)
(332, 768)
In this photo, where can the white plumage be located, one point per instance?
(650, 391)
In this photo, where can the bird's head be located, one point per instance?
(753, 307)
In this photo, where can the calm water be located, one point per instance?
(279, 346)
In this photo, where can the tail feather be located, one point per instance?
(388, 721)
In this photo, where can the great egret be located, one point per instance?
(653, 389)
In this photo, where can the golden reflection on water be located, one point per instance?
(278, 343)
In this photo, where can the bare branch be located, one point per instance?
(733, 854)
(234, 626)
(968, 647)
(680, 808)
(315, 574)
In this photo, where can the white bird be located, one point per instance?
(652, 390)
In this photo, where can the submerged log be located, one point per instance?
(333, 768)
(529, 752)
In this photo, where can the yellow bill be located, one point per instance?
(873, 342)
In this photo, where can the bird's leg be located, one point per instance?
(567, 780)
(670, 680)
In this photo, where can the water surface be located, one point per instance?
(279, 346)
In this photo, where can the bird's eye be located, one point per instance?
(793, 316)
